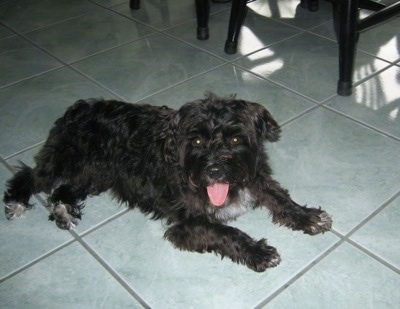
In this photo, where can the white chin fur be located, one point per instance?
(233, 209)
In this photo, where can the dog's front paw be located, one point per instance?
(261, 256)
(14, 210)
(318, 222)
(61, 214)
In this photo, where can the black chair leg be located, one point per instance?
(238, 14)
(371, 5)
(347, 45)
(202, 12)
(134, 4)
(311, 5)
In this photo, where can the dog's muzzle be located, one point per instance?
(214, 172)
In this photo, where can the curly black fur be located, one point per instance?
(166, 162)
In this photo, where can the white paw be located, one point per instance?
(60, 214)
(14, 210)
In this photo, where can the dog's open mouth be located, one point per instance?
(217, 193)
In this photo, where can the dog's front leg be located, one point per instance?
(288, 213)
(202, 236)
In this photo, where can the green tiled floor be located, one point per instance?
(340, 153)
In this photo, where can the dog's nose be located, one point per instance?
(214, 172)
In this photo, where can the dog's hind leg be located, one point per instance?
(200, 235)
(26, 182)
(19, 190)
(66, 205)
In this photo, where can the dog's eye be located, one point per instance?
(197, 142)
(236, 140)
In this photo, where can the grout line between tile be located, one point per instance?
(301, 31)
(98, 84)
(69, 64)
(110, 270)
(181, 82)
(194, 46)
(366, 251)
(227, 8)
(64, 64)
(374, 56)
(366, 125)
(358, 49)
(374, 74)
(374, 256)
(131, 18)
(298, 116)
(104, 222)
(268, 46)
(36, 260)
(299, 274)
(48, 25)
(373, 214)
(277, 84)
(347, 237)
(343, 239)
(30, 77)
(6, 165)
(23, 150)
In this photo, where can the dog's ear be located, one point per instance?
(264, 122)
(170, 144)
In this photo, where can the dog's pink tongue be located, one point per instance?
(218, 193)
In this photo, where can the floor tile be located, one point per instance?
(253, 34)
(326, 30)
(346, 278)
(389, 2)
(146, 66)
(27, 238)
(311, 68)
(167, 13)
(229, 80)
(26, 15)
(291, 12)
(380, 235)
(326, 160)
(109, 3)
(4, 32)
(380, 41)
(29, 109)
(375, 102)
(340, 155)
(20, 60)
(70, 278)
(168, 278)
(80, 37)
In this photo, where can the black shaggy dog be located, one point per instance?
(197, 168)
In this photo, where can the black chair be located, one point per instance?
(347, 26)
(202, 14)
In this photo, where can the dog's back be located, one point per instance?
(99, 144)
